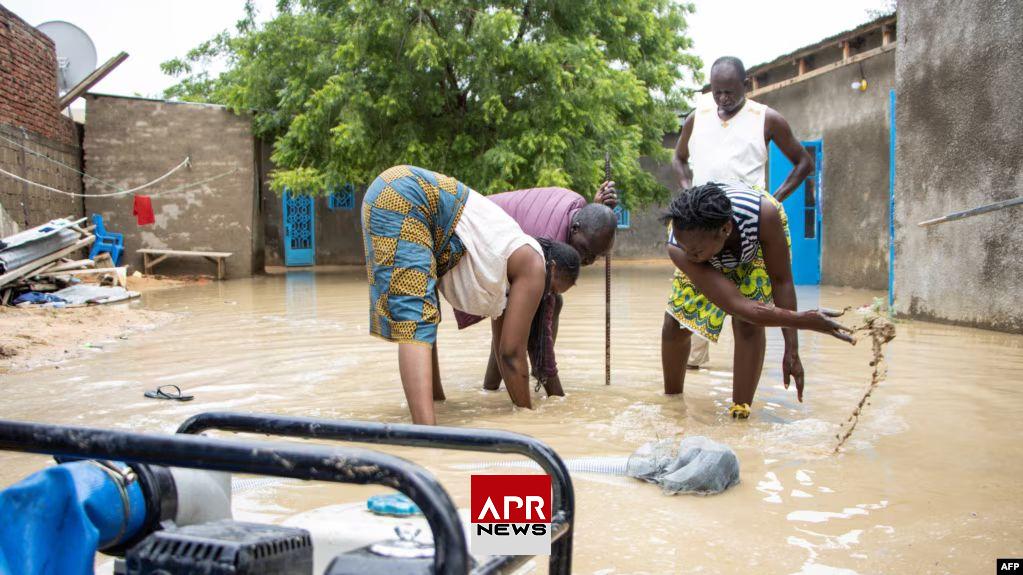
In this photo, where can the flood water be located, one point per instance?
(929, 483)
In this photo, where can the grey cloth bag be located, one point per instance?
(701, 466)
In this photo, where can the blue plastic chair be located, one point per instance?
(106, 242)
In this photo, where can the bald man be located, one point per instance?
(562, 215)
(725, 139)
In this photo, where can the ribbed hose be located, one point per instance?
(607, 465)
(611, 465)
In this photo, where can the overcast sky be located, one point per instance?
(153, 32)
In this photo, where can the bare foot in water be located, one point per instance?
(553, 386)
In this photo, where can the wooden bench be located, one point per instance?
(151, 257)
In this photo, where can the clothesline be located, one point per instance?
(104, 182)
(187, 161)
(125, 192)
(194, 184)
(59, 163)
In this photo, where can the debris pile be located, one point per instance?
(38, 268)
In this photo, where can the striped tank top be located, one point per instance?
(746, 218)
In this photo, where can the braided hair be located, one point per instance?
(703, 207)
(565, 259)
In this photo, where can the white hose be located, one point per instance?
(203, 495)
(609, 465)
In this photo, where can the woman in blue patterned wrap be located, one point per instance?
(425, 232)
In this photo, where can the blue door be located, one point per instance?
(803, 210)
(299, 229)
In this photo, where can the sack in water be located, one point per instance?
(701, 466)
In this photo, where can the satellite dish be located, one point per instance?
(76, 54)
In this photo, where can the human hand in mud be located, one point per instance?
(820, 320)
(792, 368)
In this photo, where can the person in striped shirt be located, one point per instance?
(730, 244)
(724, 139)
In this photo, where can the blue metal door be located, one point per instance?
(299, 229)
(803, 210)
(891, 201)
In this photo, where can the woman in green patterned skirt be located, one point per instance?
(730, 244)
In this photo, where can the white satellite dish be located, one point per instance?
(76, 54)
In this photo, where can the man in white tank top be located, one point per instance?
(725, 139)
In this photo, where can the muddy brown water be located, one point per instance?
(929, 483)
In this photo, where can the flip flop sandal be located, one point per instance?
(159, 393)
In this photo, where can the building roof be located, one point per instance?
(886, 22)
(160, 100)
(786, 59)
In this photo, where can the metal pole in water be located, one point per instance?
(607, 289)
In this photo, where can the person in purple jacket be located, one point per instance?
(562, 215)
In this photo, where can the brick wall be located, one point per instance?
(28, 90)
(35, 139)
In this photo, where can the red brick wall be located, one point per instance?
(28, 81)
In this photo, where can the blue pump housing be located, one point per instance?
(56, 519)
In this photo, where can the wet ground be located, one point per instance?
(930, 483)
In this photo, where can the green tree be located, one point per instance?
(501, 94)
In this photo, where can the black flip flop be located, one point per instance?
(159, 393)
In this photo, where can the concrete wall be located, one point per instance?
(338, 232)
(960, 128)
(338, 236)
(35, 139)
(854, 130)
(132, 141)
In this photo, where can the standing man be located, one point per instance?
(558, 214)
(725, 139)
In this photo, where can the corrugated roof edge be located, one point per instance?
(161, 100)
(786, 59)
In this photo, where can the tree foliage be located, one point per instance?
(501, 94)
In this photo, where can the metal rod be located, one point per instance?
(974, 212)
(455, 438)
(320, 463)
(91, 80)
(607, 290)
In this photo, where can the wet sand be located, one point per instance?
(929, 483)
(36, 337)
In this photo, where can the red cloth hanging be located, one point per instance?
(143, 210)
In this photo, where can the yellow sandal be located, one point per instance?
(739, 411)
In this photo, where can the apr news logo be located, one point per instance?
(511, 514)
